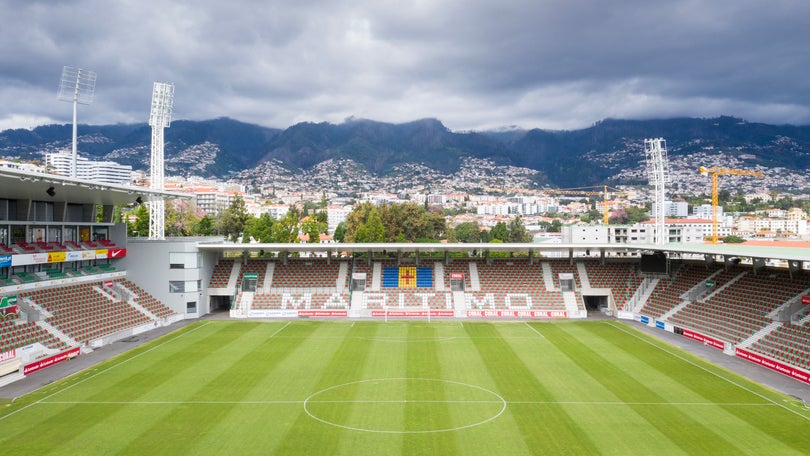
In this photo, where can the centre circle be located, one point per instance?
(404, 405)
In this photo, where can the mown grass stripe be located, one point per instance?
(681, 429)
(423, 362)
(232, 379)
(79, 416)
(549, 429)
(306, 435)
(694, 376)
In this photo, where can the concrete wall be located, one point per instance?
(147, 264)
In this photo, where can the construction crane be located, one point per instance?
(717, 171)
(589, 191)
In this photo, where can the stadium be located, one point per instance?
(112, 344)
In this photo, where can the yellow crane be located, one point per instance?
(605, 192)
(717, 171)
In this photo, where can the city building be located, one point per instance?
(97, 171)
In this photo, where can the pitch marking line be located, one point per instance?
(500, 400)
(409, 401)
(535, 330)
(676, 355)
(104, 371)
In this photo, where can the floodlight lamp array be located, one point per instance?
(77, 85)
(162, 102)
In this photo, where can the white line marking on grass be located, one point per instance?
(676, 355)
(500, 400)
(104, 371)
(407, 401)
(535, 330)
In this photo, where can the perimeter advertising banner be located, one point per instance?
(11, 354)
(57, 257)
(710, 341)
(806, 300)
(50, 361)
(116, 253)
(276, 313)
(411, 313)
(774, 365)
(518, 313)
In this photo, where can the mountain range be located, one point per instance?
(589, 156)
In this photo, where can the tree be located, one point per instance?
(205, 226)
(500, 232)
(468, 232)
(732, 239)
(517, 231)
(259, 228)
(232, 220)
(340, 232)
(372, 230)
(140, 226)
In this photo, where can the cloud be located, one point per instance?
(474, 65)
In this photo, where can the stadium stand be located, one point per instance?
(738, 309)
(15, 335)
(84, 312)
(222, 273)
(622, 278)
(789, 343)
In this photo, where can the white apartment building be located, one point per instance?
(673, 208)
(775, 225)
(704, 211)
(98, 171)
(641, 233)
(335, 214)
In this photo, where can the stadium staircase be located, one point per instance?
(268, 278)
(438, 273)
(643, 293)
(571, 305)
(475, 282)
(62, 336)
(548, 276)
(771, 327)
(674, 310)
(583, 275)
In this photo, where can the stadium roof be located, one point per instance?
(728, 250)
(34, 186)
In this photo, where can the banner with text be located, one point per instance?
(710, 341)
(518, 313)
(774, 365)
(50, 361)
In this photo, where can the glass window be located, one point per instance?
(183, 260)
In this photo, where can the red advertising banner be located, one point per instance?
(456, 275)
(50, 361)
(411, 313)
(806, 300)
(11, 354)
(116, 253)
(518, 313)
(773, 365)
(710, 341)
(323, 313)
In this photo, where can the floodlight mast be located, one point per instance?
(160, 117)
(655, 151)
(78, 86)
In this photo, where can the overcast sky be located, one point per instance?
(472, 64)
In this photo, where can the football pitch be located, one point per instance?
(440, 388)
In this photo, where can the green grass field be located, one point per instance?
(441, 388)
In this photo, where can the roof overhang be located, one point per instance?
(18, 185)
(726, 250)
